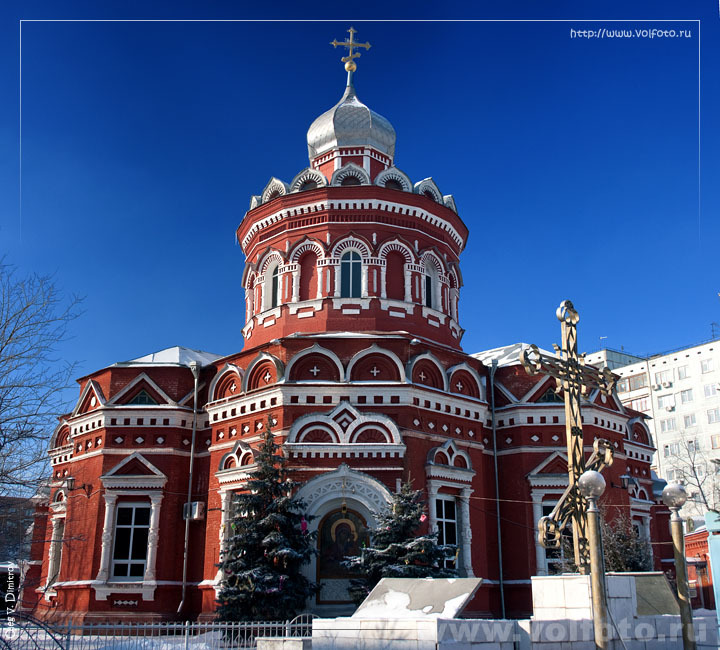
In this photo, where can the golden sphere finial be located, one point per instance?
(351, 66)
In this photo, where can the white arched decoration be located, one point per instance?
(317, 349)
(306, 245)
(326, 493)
(271, 262)
(396, 245)
(307, 175)
(454, 292)
(228, 368)
(394, 174)
(428, 187)
(480, 381)
(351, 169)
(449, 202)
(273, 189)
(432, 359)
(376, 349)
(249, 287)
(351, 244)
(264, 356)
(435, 271)
(345, 423)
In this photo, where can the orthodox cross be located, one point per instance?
(574, 379)
(350, 44)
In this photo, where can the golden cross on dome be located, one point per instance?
(350, 44)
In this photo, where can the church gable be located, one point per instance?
(90, 399)
(554, 464)
(141, 391)
(607, 401)
(135, 471)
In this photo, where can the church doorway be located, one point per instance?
(342, 533)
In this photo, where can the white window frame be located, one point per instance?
(689, 420)
(710, 390)
(713, 415)
(129, 561)
(462, 515)
(706, 365)
(686, 396)
(668, 425)
(665, 401)
(442, 522)
(682, 372)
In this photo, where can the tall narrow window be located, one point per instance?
(428, 291)
(275, 288)
(350, 272)
(58, 532)
(131, 541)
(554, 557)
(446, 516)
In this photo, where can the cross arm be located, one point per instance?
(537, 363)
(550, 527)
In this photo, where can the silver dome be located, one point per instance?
(349, 124)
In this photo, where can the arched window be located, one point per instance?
(350, 271)
(308, 185)
(429, 291)
(431, 280)
(350, 180)
(273, 288)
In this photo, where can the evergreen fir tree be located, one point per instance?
(396, 551)
(269, 543)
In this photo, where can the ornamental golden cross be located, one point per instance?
(350, 44)
(574, 379)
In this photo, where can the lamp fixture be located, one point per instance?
(70, 485)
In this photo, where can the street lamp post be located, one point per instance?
(674, 496)
(592, 485)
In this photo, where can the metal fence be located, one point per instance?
(34, 635)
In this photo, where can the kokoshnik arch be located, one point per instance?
(353, 347)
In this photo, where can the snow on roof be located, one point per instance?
(176, 356)
(508, 355)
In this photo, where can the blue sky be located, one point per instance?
(574, 162)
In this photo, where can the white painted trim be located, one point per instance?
(227, 368)
(95, 387)
(259, 358)
(480, 380)
(391, 207)
(434, 360)
(320, 350)
(376, 349)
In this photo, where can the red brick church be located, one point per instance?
(353, 349)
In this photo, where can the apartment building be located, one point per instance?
(680, 392)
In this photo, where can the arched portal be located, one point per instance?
(327, 495)
(342, 533)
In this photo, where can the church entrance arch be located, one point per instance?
(330, 498)
(341, 534)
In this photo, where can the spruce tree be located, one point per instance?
(396, 551)
(269, 543)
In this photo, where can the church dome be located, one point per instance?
(350, 124)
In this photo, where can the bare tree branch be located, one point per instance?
(34, 319)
